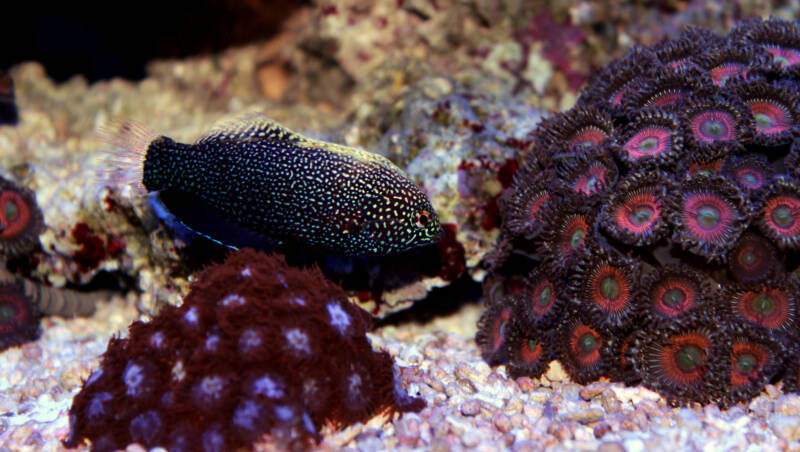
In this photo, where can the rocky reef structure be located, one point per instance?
(652, 233)
(258, 347)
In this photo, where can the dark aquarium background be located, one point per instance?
(101, 40)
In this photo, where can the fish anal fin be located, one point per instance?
(197, 217)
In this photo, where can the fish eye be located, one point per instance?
(423, 218)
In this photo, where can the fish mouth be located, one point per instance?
(422, 239)
(429, 235)
(438, 235)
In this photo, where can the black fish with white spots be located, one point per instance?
(254, 179)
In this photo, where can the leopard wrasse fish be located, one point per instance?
(252, 180)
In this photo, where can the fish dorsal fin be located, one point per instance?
(251, 126)
(256, 126)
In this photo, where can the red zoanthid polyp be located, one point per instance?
(526, 207)
(779, 218)
(604, 287)
(675, 292)
(497, 331)
(530, 356)
(684, 364)
(709, 214)
(753, 361)
(753, 259)
(751, 171)
(19, 313)
(21, 220)
(652, 136)
(543, 299)
(635, 214)
(774, 109)
(258, 351)
(672, 217)
(583, 349)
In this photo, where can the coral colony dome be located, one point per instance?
(258, 347)
(652, 234)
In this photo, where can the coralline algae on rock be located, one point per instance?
(257, 348)
(655, 227)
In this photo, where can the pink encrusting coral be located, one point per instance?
(257, 350)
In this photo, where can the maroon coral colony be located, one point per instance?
(257, 348)
(655, 227)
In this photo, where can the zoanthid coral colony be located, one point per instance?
(257, 348)
(655, 227)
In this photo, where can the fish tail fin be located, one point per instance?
(126, 143)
